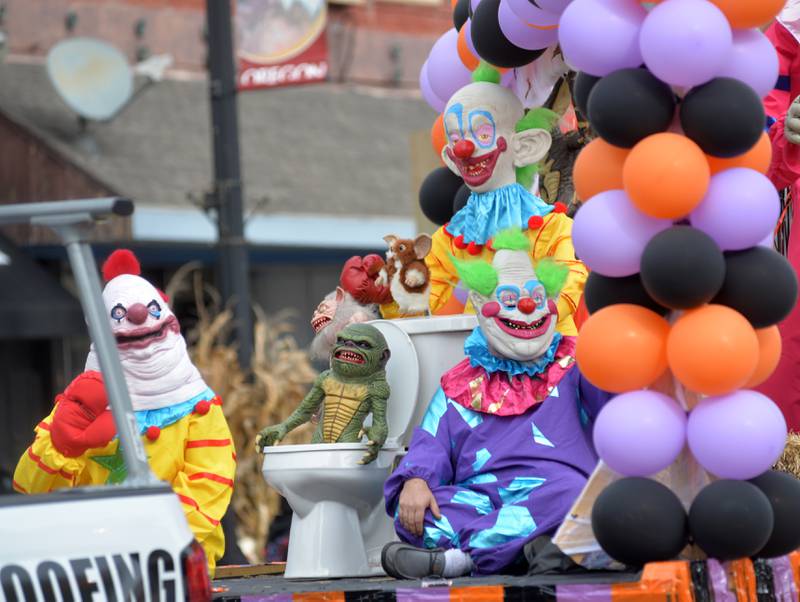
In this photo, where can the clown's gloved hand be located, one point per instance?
(82, 420)
(358, 278)
(792, 126)
(270, 436)
(376, 437)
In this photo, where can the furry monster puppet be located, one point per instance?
(185, 435)
(406, 274)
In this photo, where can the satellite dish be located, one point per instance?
(92, 77)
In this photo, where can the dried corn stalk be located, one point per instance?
(282, 375)
(790, 459)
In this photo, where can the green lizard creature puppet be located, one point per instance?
(354, 386)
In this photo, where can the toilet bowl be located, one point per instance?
(339, 524)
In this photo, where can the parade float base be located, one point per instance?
(698, 581)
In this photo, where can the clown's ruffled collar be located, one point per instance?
(486, 383)
(487, 213)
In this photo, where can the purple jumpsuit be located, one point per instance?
(500, 481)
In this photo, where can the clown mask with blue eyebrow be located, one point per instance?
(483, 146)
(515, 302)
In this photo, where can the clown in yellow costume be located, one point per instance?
(185, 435)
(494, 146)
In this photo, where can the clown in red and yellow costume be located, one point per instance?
(180, 420)
(490, 143)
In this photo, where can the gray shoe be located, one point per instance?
(404, 561)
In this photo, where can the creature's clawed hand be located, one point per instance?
(270, 436)
(376, 438)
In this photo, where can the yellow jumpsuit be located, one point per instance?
(195, 455)
(552, 239)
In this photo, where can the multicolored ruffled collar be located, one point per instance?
(487, 213)
(477, 349)
(504, 394)
(164, 417)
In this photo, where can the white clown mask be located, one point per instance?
(516, 303)
(483, 146)
(155, 362)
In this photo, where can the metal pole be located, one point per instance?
(90, 292)
(233, 267)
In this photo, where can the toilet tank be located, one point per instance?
(439, 345)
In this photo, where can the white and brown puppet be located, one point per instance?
(179, 418)
(406, 274)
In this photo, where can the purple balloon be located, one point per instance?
(610, 234)
(527, 12)
(446, 73)
(601, 36)
(436, 103)
(473, 4)
(768, 242)
(553, 6)
(737, 436)
(685, 42)
(640, 433)
(740, 209)
(753, 60)
(521, 34)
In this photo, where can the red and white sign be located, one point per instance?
(281, 42)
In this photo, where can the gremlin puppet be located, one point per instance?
(353, 387)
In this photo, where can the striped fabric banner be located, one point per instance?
(776, 579)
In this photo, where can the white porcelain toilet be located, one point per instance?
(340, 526)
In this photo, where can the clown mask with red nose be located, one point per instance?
(515, 302)
(152, 350)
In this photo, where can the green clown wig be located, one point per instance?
(482, 277)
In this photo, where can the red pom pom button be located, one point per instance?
(474, 249)
(152, 433)
(202, 407)
(459, 242)
(535, 222)
(559, 208)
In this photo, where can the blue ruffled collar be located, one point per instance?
(477, 349)
(487, 213)
(163, 417)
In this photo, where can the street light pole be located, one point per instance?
(233, 266)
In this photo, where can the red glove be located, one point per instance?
(358, 279)
(82, 420)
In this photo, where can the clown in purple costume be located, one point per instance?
(505, 446)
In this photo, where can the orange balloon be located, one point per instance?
(759, 158)
(598, 168)
(438, 138)
(666, 175)
(623, 347)
(470, 61)
(769, 354)
(713, 350)
(749, 13)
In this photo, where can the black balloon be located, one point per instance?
(638, 520)
(628, 105)
(490, 43)
(584, 83)
(783, 492)
(461, 13)
(436, 195)
(682, 268)
(724, 117)
(461, 198)
(602, 291)
(760, 284)
(731, 519)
